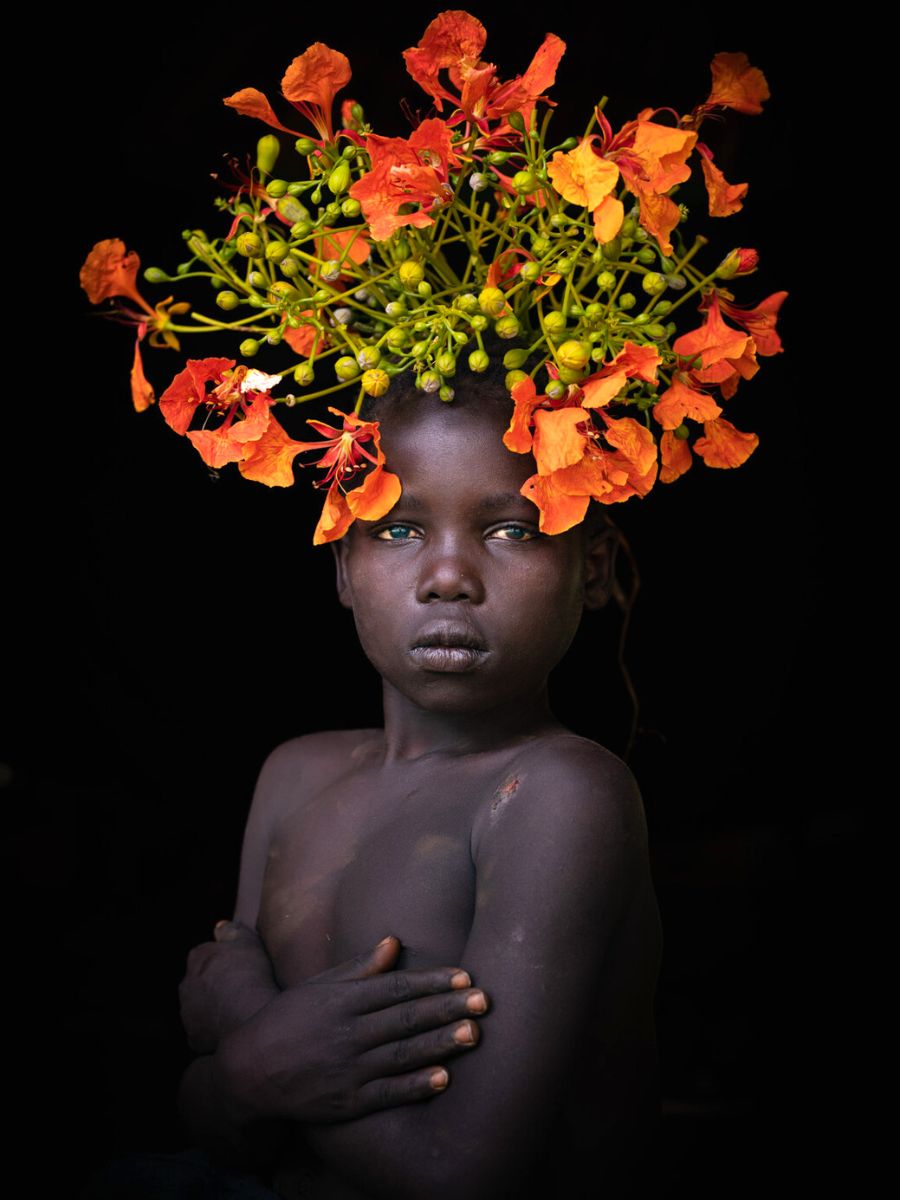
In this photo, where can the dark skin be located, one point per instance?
(478, 831)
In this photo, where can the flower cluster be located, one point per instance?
(376, 255)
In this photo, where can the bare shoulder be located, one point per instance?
(571, 776)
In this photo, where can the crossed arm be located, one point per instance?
(557, 872)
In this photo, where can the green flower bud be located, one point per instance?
(594, 311)
(332, 210)
(395, 308)
(256, 301)
(282, 292)
(627, 300)
(479, 361)
(597, 354)
(292, 210)
(612, 249)
(316, 196)
(656, 330)
(597, 256)
(653, 283)
(289, 266)
(339, 179)
(606, 281)
(516, 120)
(530, 271)
(268, 149)
(446, 393)
(643, 403)
(514, 359)
(350, 207)
(662, 307)
(671, 329)
(524, 182)
(305, 146)
(228, 301)
(402, 250)
(569, 144)
(491, 301)
(276, 188)
(568, 375)
(248, 348)
(512, 378)
(467, 303)
(563, 265)
(429, 381)
(304, 374)
(498, 157)
(420, 349)
(554, 322)
(629, 225)
(555, 389)
(274, 338)
(375, 382)
(297, 188)
(275, 251)
(217, 282)
(573, 354)
(507, 327)
(411, 273)
(682, 432)
(459, 337)
(539, 246)
(155, 275)
(397, 338)
(257, 279)
(301, 229)
(369, 356)
(646, 255)
(446, 363)
(249, 245)
(479, 322)
(641, 319)
(424, 289)
(346, 368)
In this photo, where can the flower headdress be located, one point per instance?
(405, 254)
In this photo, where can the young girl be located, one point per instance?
(473, 830)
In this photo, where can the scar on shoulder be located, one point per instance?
(503, 793)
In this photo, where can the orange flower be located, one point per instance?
(344, 457)
(726, 354)
(737, 85)
(310, 84)
(453, 42)
(109, 271)
(724, 198)
(759, 321)
(581, 176)
(249, 435)
(675, 457)
(723, 445)
(142, 393)
(680, 401)
(413, 171)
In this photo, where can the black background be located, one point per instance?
(170, 630)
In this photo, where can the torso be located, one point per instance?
(362, 850)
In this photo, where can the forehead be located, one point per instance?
(454, 451)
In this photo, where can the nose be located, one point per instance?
(448, 572)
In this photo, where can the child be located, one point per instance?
(489, 842)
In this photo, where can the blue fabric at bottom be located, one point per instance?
(187, 1175)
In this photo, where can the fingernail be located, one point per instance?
(219, 924)
(464, 1034)
(476, 1002)
(460, 980)
(383, 942)
(439, 1079)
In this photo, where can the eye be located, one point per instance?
(515, 533)
(396, 533)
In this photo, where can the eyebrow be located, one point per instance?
(492, 503)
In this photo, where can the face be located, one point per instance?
(460, 603)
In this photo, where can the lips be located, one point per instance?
(449, 647)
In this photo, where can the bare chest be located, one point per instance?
(365, 858)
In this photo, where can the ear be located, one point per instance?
(600, 566)
(340, 549)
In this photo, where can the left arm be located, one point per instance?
(558, 868)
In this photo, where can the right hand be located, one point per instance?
(349, 1041)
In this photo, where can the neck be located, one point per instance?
(411, 732)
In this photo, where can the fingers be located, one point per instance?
(423, 1050)
(401, 1089)
(397, 987)
(232, 931)
(378, 958)
(421, 1015)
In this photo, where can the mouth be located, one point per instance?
(449, 648)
